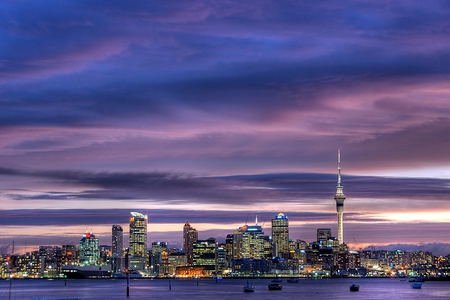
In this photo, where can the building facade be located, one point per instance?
(117, 248)
(88, 250)
(205, 255)
(138, 241)
(280, 236)
(190, 236)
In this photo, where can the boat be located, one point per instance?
(354, 288)
(417, 279)
(275, 286)
(85, 272)
(416, 285)
(249, 288)
(277, 280)
(292, 280)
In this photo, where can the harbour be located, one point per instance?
(338, 288)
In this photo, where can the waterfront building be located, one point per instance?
(221, 259)
(88, 249)
(138, 235)
(105, 254)
(280, 236)
(190, 236)
(116, 248)
(340, 198)
(69, 255)
(205, 255)
(159, 258)
(138, 241)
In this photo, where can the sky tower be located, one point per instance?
(340, 197)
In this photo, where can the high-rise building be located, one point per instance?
(138, 235)
(340, 198)
(69, 254)
(190, 236)
(88, 249)
(117, 240)
(323, 234)
(117, 248)
(238, 244)
(251, 241)
(159, 258)
(280, 235)
(205, 255)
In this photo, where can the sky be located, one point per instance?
(221, 112)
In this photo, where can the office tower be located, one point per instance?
(251, 241)
(69, 254)
(280, 235)
(190, 236)
(323, 234)
(117, 240)
(117, 248)
(229, 247)
(237, 244)
(159, 258)
(340, 197)
(138, 235)
(222, 262)
(88, 249)
(205, 255)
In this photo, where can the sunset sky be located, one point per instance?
(217, 111)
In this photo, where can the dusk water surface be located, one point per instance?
(370, 288)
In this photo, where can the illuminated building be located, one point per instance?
(340, 197)
(323, 234)
(138, 241)
(138, 235)
(88, 249)
(69, 254)
(117, 247)
(280, 235)
(237, 244)
(250, 240)
(190, 236)
(205, 255)
(229, 248)
(159, 258)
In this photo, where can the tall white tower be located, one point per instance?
(340, 197)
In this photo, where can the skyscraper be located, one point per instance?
(280, 235)
(205, 255)
(340, 198)
(88, 249)
(138, 235)
(117, 247)
(190, 236)
(250, 240)
(323, 234)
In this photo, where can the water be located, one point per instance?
(370, 288)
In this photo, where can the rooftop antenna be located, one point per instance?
(256, 221)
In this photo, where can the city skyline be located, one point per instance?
(213, 113)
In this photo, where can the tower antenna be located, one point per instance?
(340, 198)
(339, 167)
